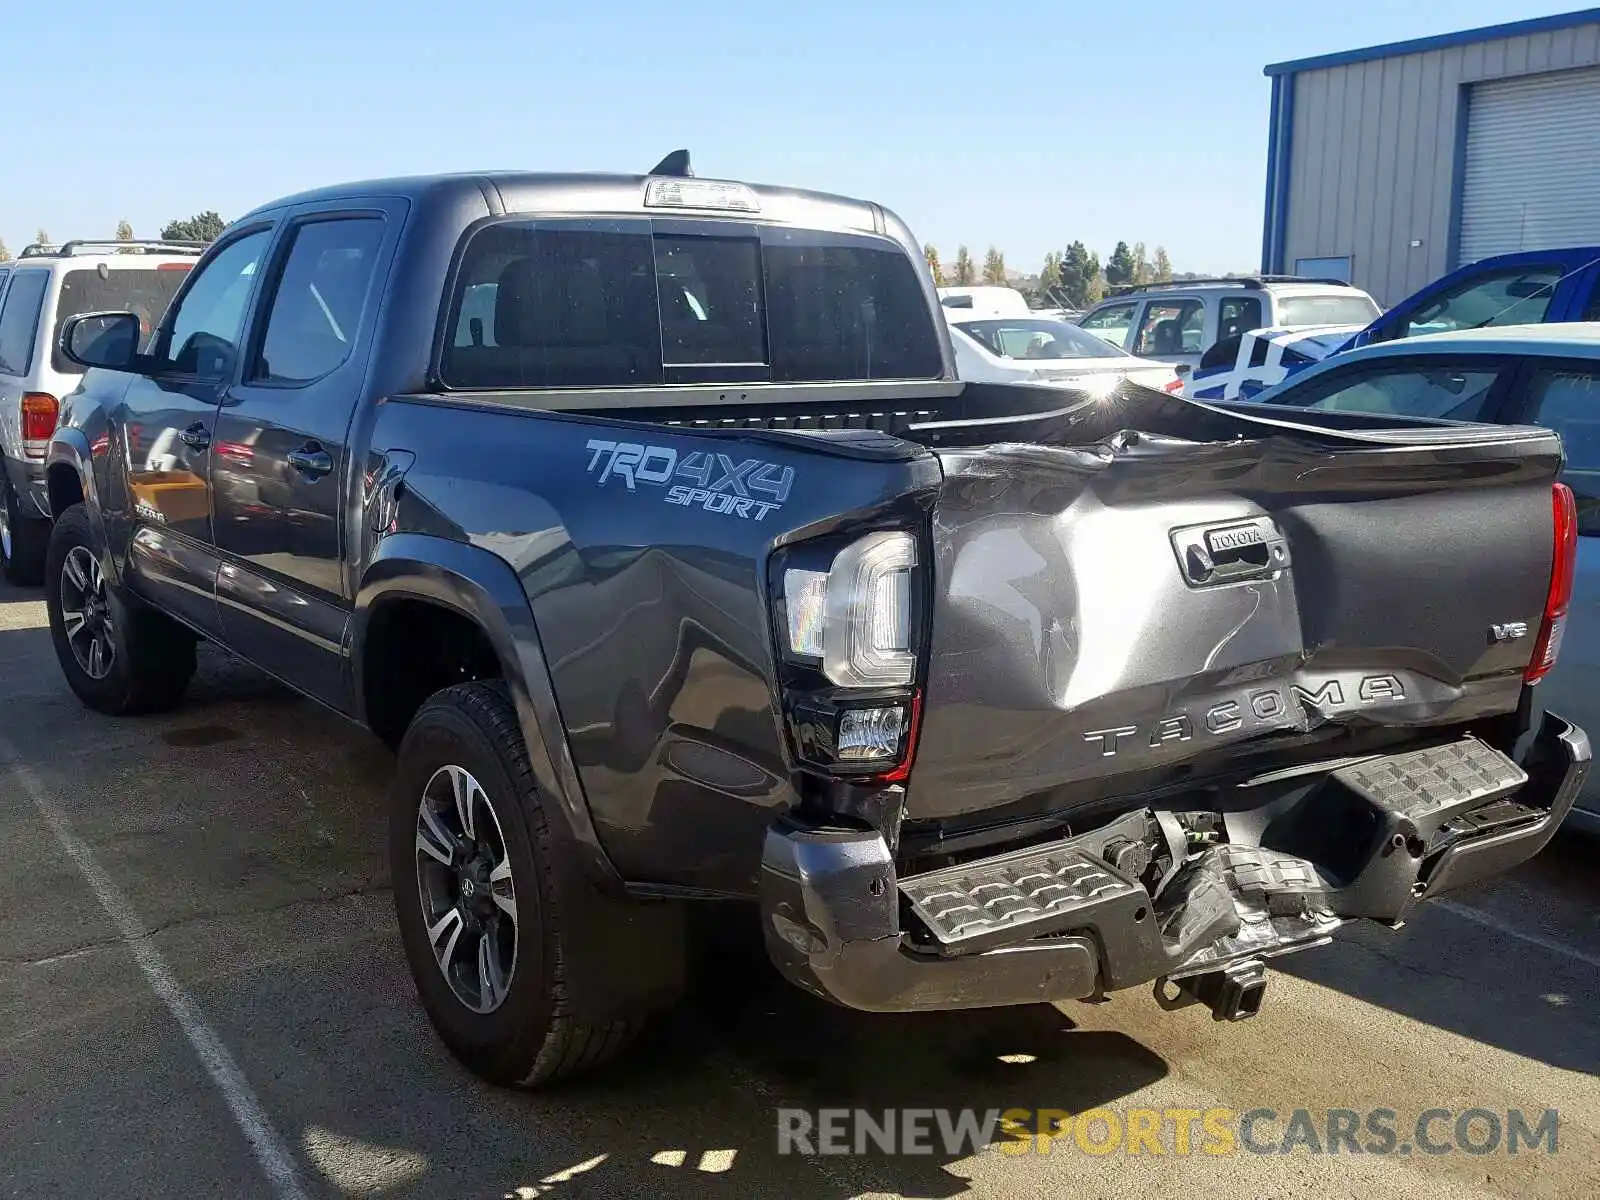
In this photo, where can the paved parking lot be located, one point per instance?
(201, 994)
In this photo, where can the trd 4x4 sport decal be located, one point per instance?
(749, 488)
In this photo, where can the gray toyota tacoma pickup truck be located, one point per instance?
(645, 518)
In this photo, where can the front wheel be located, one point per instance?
(481, 916)
(119, 656)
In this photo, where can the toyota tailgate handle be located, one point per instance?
(1212, 555)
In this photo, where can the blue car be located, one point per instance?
(1526, 288)
(1546, 375)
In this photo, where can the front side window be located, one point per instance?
(316, 310)
(1519, 297)
(1110, 323)
(1442, 392)
(1036, 337)
(144, 293)
(1568, 401)
(620, 304)
(202, 337)
(19, 320)
(1171, 327)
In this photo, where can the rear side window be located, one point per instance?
(627, 303)
(1353, 309)
(1237, 315)
(19, 320)
(145, 293)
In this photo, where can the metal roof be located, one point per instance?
(1465, 37)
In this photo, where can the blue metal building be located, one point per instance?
(1393, 165)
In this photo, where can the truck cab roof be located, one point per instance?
(641, 195)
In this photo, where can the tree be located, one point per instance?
(1080, 273)
(42, 237)
(994, 268)
(124, 233)
(1141, 264)
(1120, 266)
(5, 255)
(1050, 275)
(202, 227)
(965, 272)
(932, 253)
(1163, 268)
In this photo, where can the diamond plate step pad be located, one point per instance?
(1426, 785)
(1010, 894)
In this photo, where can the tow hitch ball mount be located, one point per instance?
(1232, 993)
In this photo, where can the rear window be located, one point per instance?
(630, 303)
(1037, 337)
(1326, 310)
(145, 293)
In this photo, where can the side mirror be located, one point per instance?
(104, 339)
(1182, 368)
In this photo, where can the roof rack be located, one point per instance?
(1245, 281)
(104, 245)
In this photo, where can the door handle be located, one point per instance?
(196, 436)
(311, 459)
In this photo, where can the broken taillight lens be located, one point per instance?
(1563, 565)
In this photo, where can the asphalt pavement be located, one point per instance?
(202, 994)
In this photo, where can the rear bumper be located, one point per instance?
(28, 484)
(1060, 922)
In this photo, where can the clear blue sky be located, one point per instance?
(1016, 122)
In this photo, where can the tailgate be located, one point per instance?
(1115, 613)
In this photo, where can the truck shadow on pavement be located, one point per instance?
(1452, 968)
(694, 1110)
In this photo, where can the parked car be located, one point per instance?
(1029, 348)
(1525, 288)
(681, 570)
(1546, 375)
(40, 291)
(1176, 322)
(984, 299)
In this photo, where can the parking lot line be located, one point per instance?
(270, 1150)
(1489, 921)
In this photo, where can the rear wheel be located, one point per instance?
(119, 656)
(481, 917)
(23, 540)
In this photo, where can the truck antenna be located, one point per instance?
(676, 163)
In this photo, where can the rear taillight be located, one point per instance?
(39, 413)
(1174, 386)
(848, 623)
(1563, 565)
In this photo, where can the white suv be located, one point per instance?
(38, 291)
(1177, 322)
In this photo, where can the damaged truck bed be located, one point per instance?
(1232, 681)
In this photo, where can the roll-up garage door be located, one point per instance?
(1532, 175)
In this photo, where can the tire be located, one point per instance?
(146, 659)
(535, 1033)
(23, 540)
